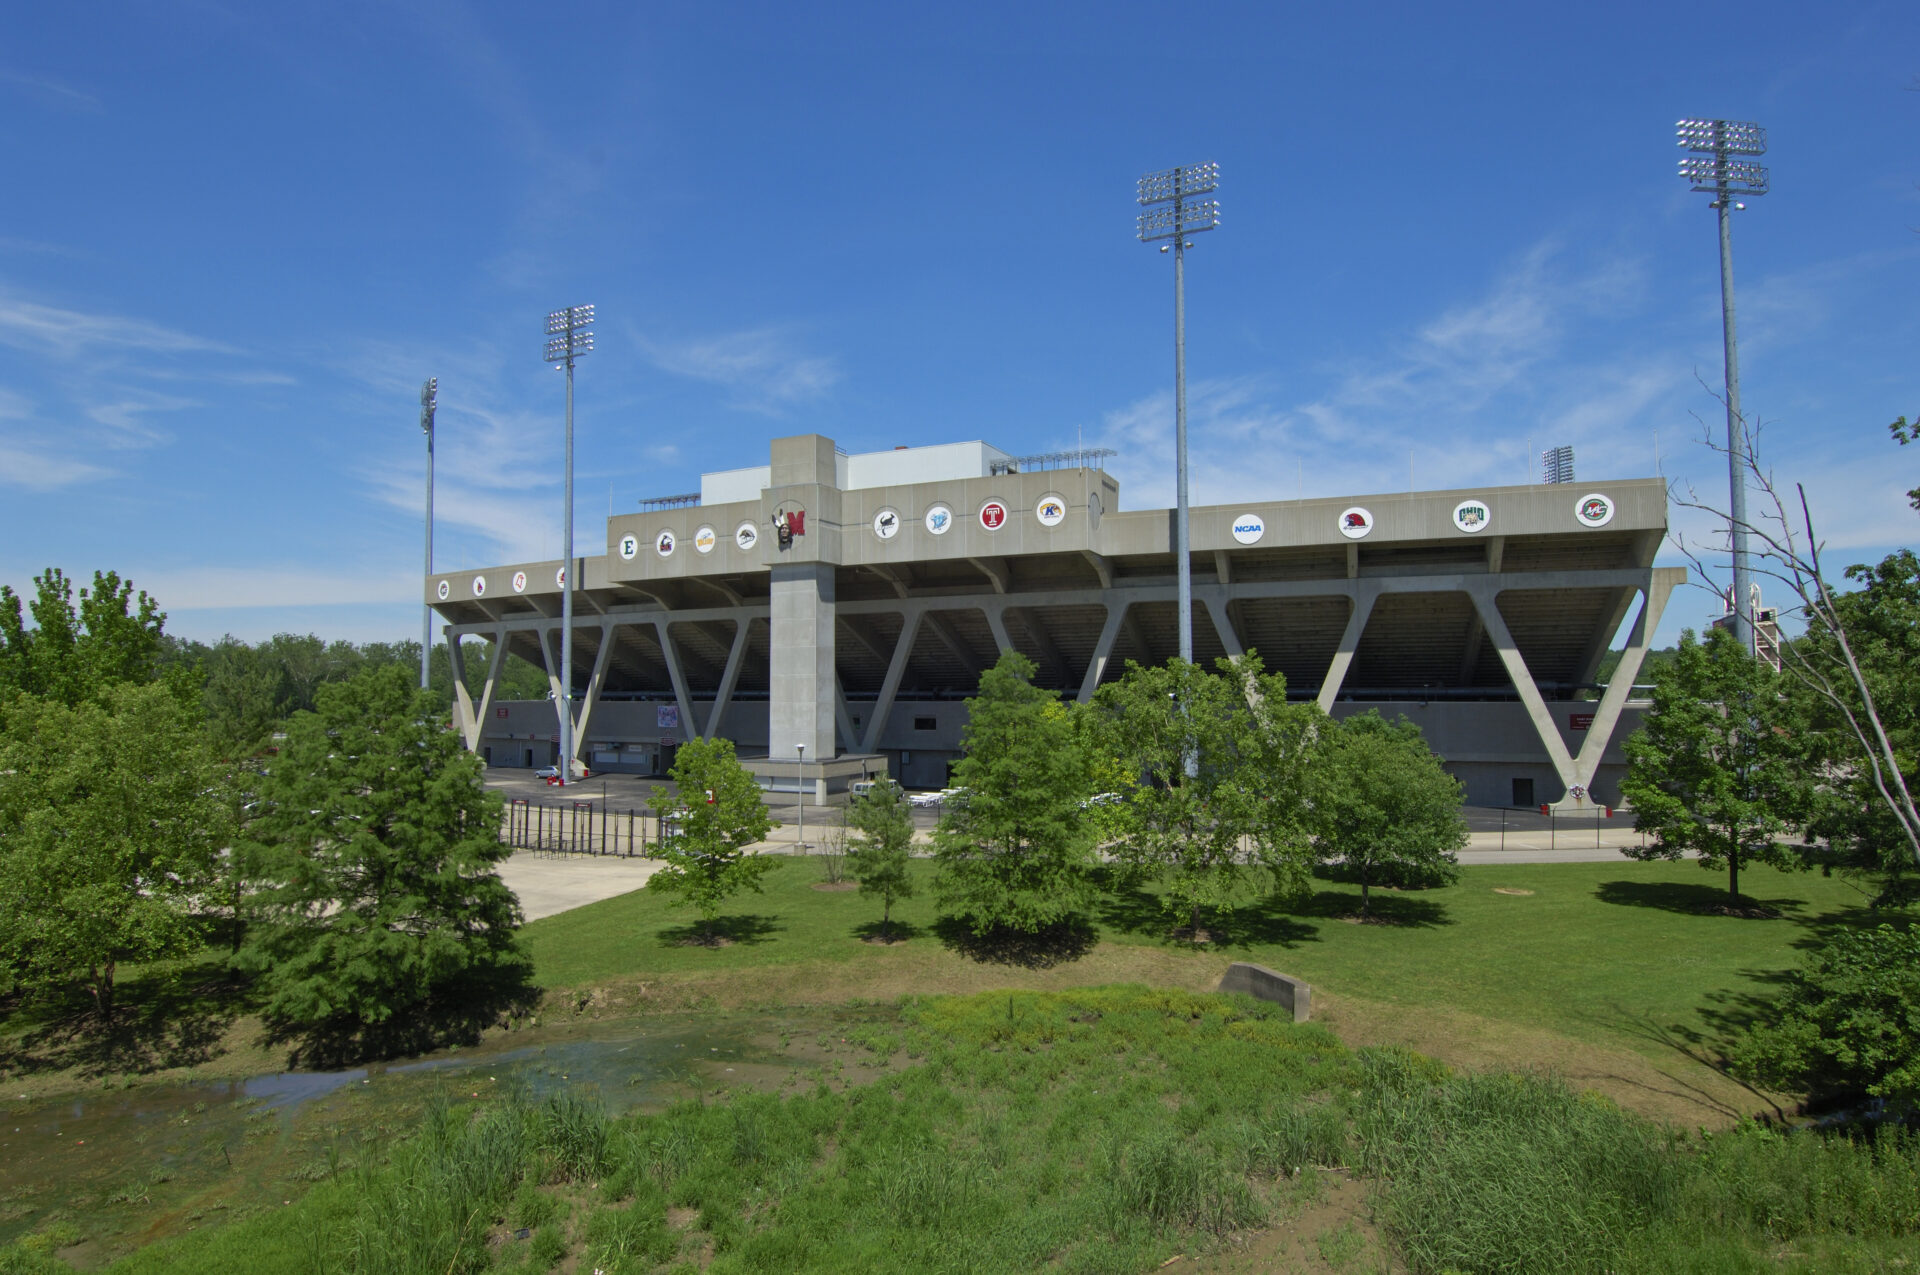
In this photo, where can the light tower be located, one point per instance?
(429, 399)
(1174, 211)
(1712, 167)
(569, 335)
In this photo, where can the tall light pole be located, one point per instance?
(429, 399)
(800, 796)
(569, 335)
(1712, 168)
(1173, 212)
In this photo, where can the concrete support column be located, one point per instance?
(1485, 595)
(801, 672)
(1223, 625)
(595, 681)
(678, 677)
(1363, 600)
(729, 678)
(896, 669)
(554, 688)
(466, 715)
(1103, 649)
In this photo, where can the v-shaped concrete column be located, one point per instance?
(1364, 596)
(470, 719)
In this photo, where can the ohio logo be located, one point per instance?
(1472, 515)
(1248, 528)
(1594, 510)
(1051, 510)
(992, 515)
(1356, 523)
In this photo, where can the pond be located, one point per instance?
(127, 1167)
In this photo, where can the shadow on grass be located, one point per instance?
(893, 932)
(722, 931)
(458, 1011)
(1696, 898)
(1056, 945)
(173, 1016)
(1384, 907)
(1266, 923)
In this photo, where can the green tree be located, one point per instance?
(880, 858)
(379, 917)
(1713, 771)
(111, 822)
(1233, 828)
(721, 814)
(1849, 1023)
(1382, 804)
(72, 654)
(1014, 847)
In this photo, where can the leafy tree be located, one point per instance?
(1382, 804)
(111, 822)
(720, 811)
(70, 655)
(379, 915)
(1849, 1023)
(1905, 432)
(884, 820)
(1014, 847)
(1713, 770)
(1235, 826)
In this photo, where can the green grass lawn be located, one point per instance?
(1629, 952)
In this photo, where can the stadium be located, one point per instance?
(830, 613)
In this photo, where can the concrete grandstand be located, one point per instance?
(849, 603)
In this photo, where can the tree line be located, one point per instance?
(330, 831)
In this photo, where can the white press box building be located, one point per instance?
(849, 603)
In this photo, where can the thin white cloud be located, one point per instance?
(38, 469)
(759, 366)
(50, 92)
(49, 329)
(125, 424)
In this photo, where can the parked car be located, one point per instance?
(552, 774)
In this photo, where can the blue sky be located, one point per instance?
(234, 239)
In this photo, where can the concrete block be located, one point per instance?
(1264, 984)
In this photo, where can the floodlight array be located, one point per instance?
(574, 316)
(1722, 137)
(1716, 173)
(429, 400)
(1173, 184)
(1170, 221)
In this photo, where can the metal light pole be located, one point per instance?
(569, 335)
(800, 796)
(429, 399)
(1173, 212)
(1711, 168)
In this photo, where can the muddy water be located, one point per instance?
(126, 1168)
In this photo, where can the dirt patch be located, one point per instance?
(704, 940)
(1324, 1228)
(1510, 889)
(876, 940)
(1751, 912)
(836, 887)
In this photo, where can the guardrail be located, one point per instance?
(582, 827)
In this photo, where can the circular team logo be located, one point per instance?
(479, 586)
(1248, 528)
(519, 582)
(1594, 510)
(663, 544)
(629, 546)
(939, 520)
(1051, 509)
(560, 578)
(1472, 515)
(746, 535)
(886, 524)
(445, 590)
(993, 515)
(1355, 522)
(704, 540)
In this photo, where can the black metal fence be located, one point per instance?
(580, 827)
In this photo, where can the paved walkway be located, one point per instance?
(550, 883)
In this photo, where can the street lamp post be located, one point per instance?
(1712, 168)
(800, 796)
(429, 399)
(569, 335)
(1173, 212)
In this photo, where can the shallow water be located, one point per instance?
(128, 1167)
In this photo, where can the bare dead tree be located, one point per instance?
(1790, 552)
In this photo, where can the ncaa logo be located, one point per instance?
(1248, 528)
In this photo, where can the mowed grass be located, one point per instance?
(1630, 953)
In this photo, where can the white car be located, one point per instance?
(552, 774)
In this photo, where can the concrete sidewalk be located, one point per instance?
(550, 883)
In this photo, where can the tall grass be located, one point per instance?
(1098, 1130)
